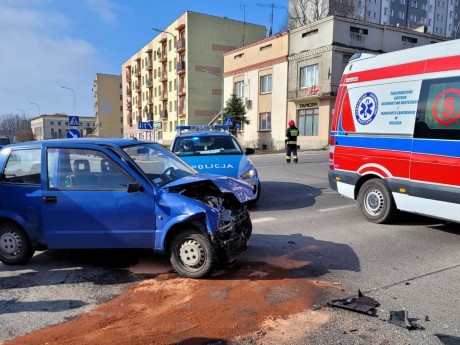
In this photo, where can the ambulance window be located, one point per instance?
(438, 113)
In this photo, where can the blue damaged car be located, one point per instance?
(214, 150)
(119, 193)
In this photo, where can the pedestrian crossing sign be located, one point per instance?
(74, 120)
(228, 121)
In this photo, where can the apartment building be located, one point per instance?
(108, 106)
(177, 78)
(438, 17)
(318, 54)
(257, 73)
(55, 126)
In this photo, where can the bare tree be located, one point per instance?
(11, 124)
(303, 12)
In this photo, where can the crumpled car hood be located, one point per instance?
(242, 190)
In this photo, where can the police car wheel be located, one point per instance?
(15, 247)
(192, 255)
(376, 202)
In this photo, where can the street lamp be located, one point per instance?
(177, 72)
(74, 107)
(38, 105)
(222, 92)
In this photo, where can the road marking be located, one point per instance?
(335, 208)
(261, 220)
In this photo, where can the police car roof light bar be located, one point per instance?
(203, 128)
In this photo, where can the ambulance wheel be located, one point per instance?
(376, 202)
(15, 247)
(191, 254)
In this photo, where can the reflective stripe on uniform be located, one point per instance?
(294, 132)
(292, 142)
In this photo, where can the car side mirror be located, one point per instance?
(250, 151)
(135, 187)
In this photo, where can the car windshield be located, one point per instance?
(160, 165)
(211, 145)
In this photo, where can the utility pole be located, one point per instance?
(273, 6)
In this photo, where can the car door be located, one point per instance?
(435, 161)
(84, 207)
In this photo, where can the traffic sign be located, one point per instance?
(73, 133)
(228, 121)
(145, 125)
(74, 120)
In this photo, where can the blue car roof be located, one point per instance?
(97, 141)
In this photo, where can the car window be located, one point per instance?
(160, 165)
(79, 169)
(206, 145)
(23, 166)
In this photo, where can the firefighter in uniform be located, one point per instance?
(291, 142)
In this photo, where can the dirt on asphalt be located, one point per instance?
(256, 299)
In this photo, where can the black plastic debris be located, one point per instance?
(361, 304)
(448, 339)
(401, 318)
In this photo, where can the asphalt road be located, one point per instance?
(411, 265)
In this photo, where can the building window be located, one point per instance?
(309, 76)
(266, 83)
(308, 121)
(239, 89)
(265, 123)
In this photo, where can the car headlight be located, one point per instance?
(248, 174)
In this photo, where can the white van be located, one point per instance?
(395, 133)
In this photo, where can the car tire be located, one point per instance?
(15, 246)
(192, 255)
(376, 201)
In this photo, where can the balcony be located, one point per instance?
(314, 91)
(164, 96)
(149, 65)
(128, 93)
(137, 72)
(129, 105)
(149, 116)
(182, 90)
(181, 45)
(149, 83)
(128, 78)
(139, 119)
(180, 67)
(164, 56)
(164, 76)
(163, 114)
(130, 121)
(150, 100)
(137, 88)
(139, 104)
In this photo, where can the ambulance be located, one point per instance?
(395, 133)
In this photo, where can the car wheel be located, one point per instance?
(191, 254)
(15, 247)
(376, 202)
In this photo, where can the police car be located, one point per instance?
(214, 150)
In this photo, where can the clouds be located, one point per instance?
(104, 8)
(38, 56)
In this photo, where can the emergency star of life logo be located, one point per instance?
(366, 108)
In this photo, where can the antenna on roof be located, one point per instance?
(273, 6)
(244, 19)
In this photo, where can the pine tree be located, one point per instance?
(234, 109)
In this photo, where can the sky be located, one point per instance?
(48, 44)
